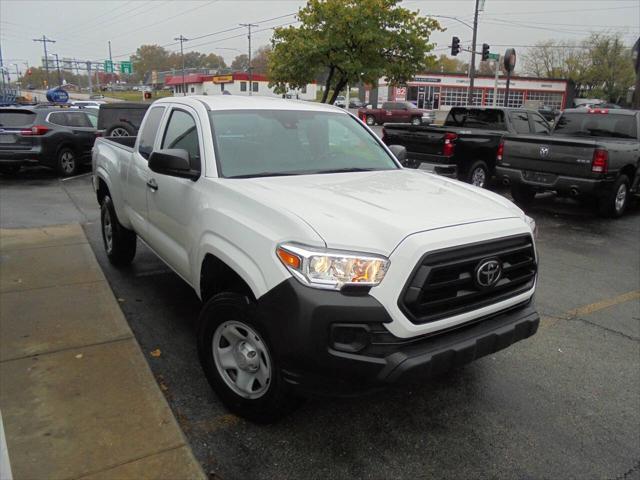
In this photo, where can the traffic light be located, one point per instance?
(485, 51)
(455, 46)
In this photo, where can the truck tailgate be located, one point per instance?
(544, 154)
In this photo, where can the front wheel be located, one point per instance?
(119, 242)
(371, 120)
(478, 174)
(614, 203)
(239, 362)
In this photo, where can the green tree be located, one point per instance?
(260, 60)
(611, 71)
(446, 64)
(214, 62)
(151, 57)
(353, 40)
(240, 63)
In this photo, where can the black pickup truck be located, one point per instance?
(591, 153)
(465, 147)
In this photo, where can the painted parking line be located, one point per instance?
(547, 321)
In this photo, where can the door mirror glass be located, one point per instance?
(174, 162)
(399, 152)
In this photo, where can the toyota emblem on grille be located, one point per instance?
(544, 152)
(488, 272)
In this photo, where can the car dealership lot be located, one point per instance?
(562, 404)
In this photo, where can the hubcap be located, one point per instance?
(242, 359)
(67, 162)
(119, 132)
(107, 229)
(478, 178)
(621, 197)
(370, 121)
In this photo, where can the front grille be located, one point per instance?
(444, 283)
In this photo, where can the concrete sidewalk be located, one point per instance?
(77, 397)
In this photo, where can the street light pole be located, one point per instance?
(182, 39)
(472, 69)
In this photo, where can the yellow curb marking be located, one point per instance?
(591, 308)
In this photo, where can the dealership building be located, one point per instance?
(443, 91)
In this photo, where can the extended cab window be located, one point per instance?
(476, 118)
(540, 125)
(254, 143)
(182, 133)
(149, 131)
(520, 122)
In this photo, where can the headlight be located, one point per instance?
(332, 269)
(532, 225)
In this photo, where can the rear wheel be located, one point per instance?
(239, 362)
(68, 163)
(478, 174)
(119, 131)
(119, 242)
(614, 203)
(523, 194)
(371, 120)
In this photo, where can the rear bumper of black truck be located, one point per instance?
(565, 185)
(336, 343)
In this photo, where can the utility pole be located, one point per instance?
(44, 41)
(495, 85)
(181, 39)
(249, 25)
(58, 68)
(472, 69)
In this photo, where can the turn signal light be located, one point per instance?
(500, 153)
(36, 130)
(289, 258)
(600, 162)
(449, 147)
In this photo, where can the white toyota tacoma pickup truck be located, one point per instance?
(322, 264)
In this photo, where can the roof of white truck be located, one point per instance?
(237, 102)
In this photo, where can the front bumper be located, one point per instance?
(337, 343)
(559, 183)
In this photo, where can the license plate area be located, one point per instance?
(539, 177)
(7, 138)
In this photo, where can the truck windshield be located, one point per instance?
(596, 125)
(476, 118)
(262, 143)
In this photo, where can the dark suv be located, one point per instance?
(51, 135)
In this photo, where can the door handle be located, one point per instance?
(152, 184)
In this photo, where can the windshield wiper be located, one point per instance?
(345, 170)
(266, 174)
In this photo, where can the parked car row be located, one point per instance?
(588, 153)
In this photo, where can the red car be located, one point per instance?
(396, 112)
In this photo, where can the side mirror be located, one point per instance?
(174, 162)
(399, 152)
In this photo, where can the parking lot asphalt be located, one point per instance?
(562, 404)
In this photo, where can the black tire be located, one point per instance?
(67, 163)
(276, 399)
(411, 163)
(119, 242)
(10, 169)
(371, 120)
(478, 174)
(615, 202)
(416, 121)
(523, 194)
(119, 130)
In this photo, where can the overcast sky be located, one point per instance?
(82, 28)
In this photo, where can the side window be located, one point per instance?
(59, 118)
(520, 122)
(78, 120)
(539, 124)
(387, 106)
(148, 133)
(182, 133)
(93, 119)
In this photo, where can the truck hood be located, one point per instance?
(375, 211)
